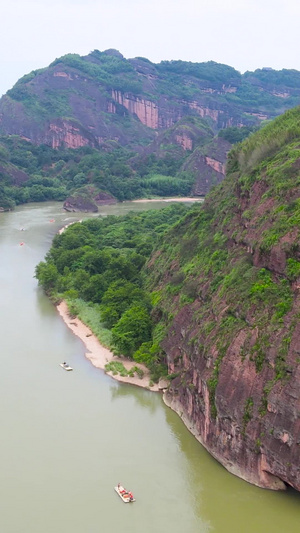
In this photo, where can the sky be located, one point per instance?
(245, 34)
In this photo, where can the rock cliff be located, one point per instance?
(226, 286)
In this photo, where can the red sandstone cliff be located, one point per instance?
(227, 283)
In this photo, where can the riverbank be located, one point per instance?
(99, 356)
(181, 199)
(67, 225)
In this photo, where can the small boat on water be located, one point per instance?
(65, 366)
(126, 495)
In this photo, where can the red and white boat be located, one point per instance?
(126, 495)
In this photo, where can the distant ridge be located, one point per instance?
(100, 97)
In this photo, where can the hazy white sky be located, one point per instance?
(245, 34)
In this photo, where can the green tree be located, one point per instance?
(47, 275)
(96, 261)
(94, 290)
(133, 328)
(119, 296)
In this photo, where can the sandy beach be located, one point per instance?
(67, 225)
(100, 356)
(186, 199)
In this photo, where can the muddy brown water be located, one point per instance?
(68, 437)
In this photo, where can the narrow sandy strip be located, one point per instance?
(100, 356)
(185, 199)
(67, 225)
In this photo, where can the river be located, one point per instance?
(67, 438)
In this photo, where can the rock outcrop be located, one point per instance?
(87, 200)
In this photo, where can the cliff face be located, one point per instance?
(64, 133)
(265, 453)
(227, 287)
(191, 141)
(145, 110)
(165, 113)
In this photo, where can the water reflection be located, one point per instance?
(144, 398)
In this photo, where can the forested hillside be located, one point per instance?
(85, 178)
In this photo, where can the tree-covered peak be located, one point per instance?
(289, 78)
(209, 71)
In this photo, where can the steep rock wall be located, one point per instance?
(227, 283)
(164, 114)
(62, 133)
(185, 141)
(145, 110)
(267, 454)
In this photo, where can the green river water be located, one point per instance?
(67, 438)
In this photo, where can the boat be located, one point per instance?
(124, 494)
(65, 366)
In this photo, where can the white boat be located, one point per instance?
(126, 495)
(65, 366)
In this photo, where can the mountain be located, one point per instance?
(79, 101)
(173, 119)
(225, 285)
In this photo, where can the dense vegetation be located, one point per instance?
(97, 265)
(236, 135)
(49, 174)
(254, 92)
